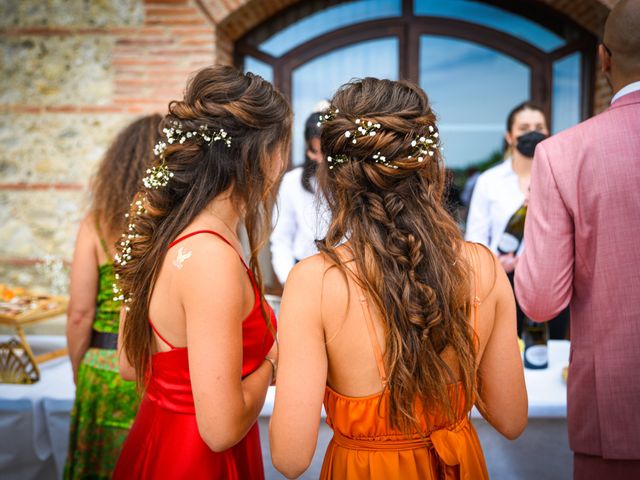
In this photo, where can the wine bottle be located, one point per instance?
(512, 236)
(535, 336)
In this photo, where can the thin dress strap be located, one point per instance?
(373, 337)
(102, 242)
(160, 335)
(184, 237)
(476, 304)
(377, 351)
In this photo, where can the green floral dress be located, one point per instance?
(105, 404)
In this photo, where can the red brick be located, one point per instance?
(170, 11)
(175, 21)
(61, 108)
(183, 51)
(165, 2)
(192, 31)
(133, 100)
(197, 41)
(140, 62)
(40, 186)
(100, 109)
(25, 109)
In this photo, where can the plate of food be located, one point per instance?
(18, 305)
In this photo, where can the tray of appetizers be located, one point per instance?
(19, 306)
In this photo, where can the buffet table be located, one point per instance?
(34, 419)
(34, 424)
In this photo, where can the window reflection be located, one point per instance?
(472, 88)
(327, 20)
(319, 78)
(492, 17)
(566, 92)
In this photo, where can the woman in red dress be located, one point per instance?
(198, 336)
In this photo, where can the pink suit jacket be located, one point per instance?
(582, 247)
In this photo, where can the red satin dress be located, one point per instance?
(164, 441)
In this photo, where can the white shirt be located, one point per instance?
(300, 218)
(495, 199)
(627, 89)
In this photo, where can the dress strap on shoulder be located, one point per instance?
(160, 335)
(375, 344)
(373, 337)
(101, 238)
(476, 302)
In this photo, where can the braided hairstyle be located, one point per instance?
(258, 120)
(407, 248)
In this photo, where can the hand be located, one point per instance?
(508, 262)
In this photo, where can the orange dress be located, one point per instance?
(365, 446)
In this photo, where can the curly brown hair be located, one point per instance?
(258, 119)
(118, 176)
(407, 249)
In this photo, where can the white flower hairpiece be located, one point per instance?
(425, 145)
(422, 147)
(125, 248)
(159, 175)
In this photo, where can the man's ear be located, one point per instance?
(605, 59)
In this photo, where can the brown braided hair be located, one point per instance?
(258, 120)
(407, 248)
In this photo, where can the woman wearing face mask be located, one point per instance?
(502, 190)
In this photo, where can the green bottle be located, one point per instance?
(512, 236)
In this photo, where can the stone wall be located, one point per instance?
(72, 72)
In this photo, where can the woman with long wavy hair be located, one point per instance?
(198, 336)
(397, 325)
(105, 404)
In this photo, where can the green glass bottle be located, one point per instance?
(512, 236)
(535, 336)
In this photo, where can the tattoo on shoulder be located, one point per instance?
(181, 257)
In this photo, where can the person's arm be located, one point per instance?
(212, 286)
(302, 372)
(478, 226)
(284, 231)
(126, 370)
(502, 386)
(544, 277)
(83, 290)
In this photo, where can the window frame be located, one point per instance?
(409, 27)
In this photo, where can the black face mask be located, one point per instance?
(527, 143)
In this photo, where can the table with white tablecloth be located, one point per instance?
(34, 424)
(34, 419)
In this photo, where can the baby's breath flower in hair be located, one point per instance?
(425, 145)
(159, 175)
(327, 116)
(124, 254)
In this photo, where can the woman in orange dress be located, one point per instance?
(398, 326)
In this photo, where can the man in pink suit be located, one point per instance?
(582, 239)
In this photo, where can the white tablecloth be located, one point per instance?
(34, 419)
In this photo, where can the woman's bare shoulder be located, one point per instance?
(483, 267)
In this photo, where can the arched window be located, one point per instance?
(475, 59)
